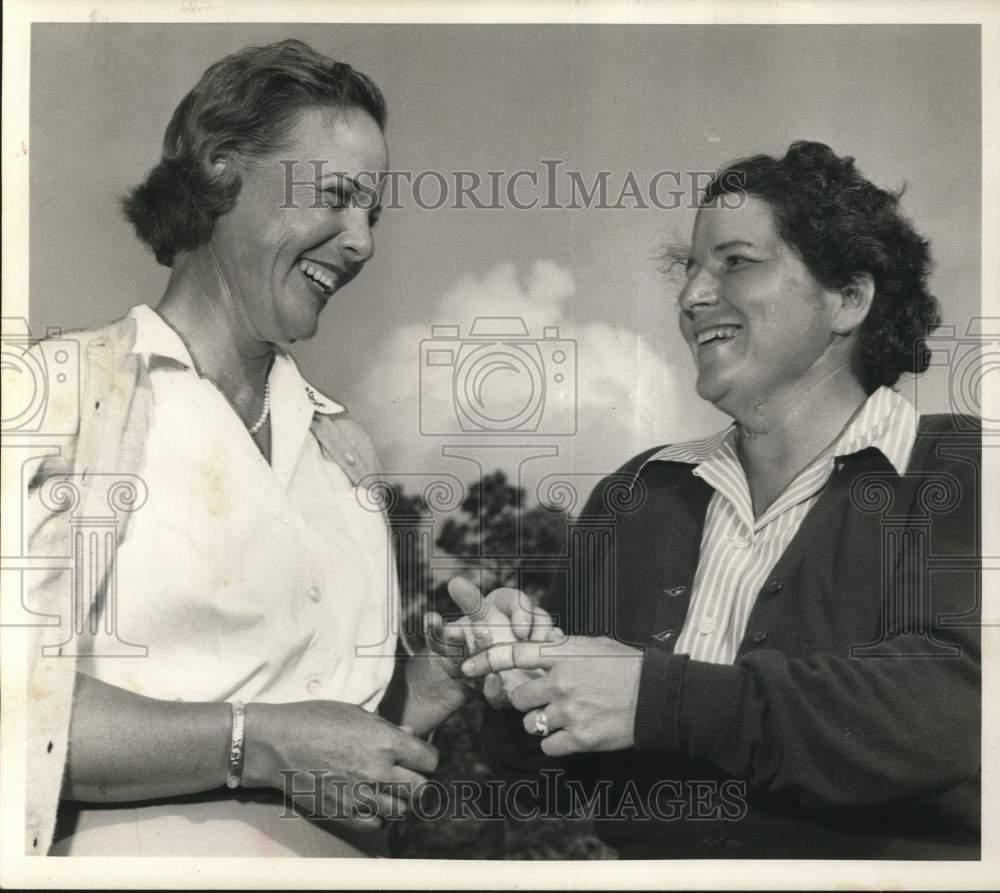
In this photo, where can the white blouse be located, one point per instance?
(245, 581)
(242, 581)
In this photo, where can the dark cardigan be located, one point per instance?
(851, 716)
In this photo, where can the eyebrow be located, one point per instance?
(340, 177)
(724, 246)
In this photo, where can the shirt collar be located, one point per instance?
(155, 339)
(696, 452)
(885, 421)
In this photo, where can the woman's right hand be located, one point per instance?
(504, 616)
(165, 748)
(336, 761)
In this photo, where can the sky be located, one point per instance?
(599, 368)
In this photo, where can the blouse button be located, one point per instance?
(315, 594)
(706, 626)
(313, 685)
(739, 542)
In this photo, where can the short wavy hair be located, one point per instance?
(842, 224)
(244, 107)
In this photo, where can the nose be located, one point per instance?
(699, 291)
(355, 239)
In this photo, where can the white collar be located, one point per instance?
(155, 338)
(886, 421)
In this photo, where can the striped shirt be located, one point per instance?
(738, 552)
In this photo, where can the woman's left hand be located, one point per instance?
(505, 615)
(586, 699)
(436, 686)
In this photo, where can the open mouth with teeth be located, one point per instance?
(321, 279)
(717, 334)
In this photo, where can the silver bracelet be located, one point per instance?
(235, 775)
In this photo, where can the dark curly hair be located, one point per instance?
(841, 224)
(243, 107)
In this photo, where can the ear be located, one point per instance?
(854, 300)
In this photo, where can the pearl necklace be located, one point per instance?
(265, 411)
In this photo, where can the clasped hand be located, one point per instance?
(504, 616)
(582, 689)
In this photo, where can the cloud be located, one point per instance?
(447, 383)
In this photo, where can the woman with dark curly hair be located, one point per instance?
(760, 662)
(236, 644)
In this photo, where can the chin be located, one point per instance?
(711, 388)
(301, 328)
(721, 394)
(308, 331)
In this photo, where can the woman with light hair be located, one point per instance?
(234, 651)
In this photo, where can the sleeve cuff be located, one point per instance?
(712, 709)
(657, 713)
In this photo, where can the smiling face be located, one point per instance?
(298, 233)
(757, 321)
